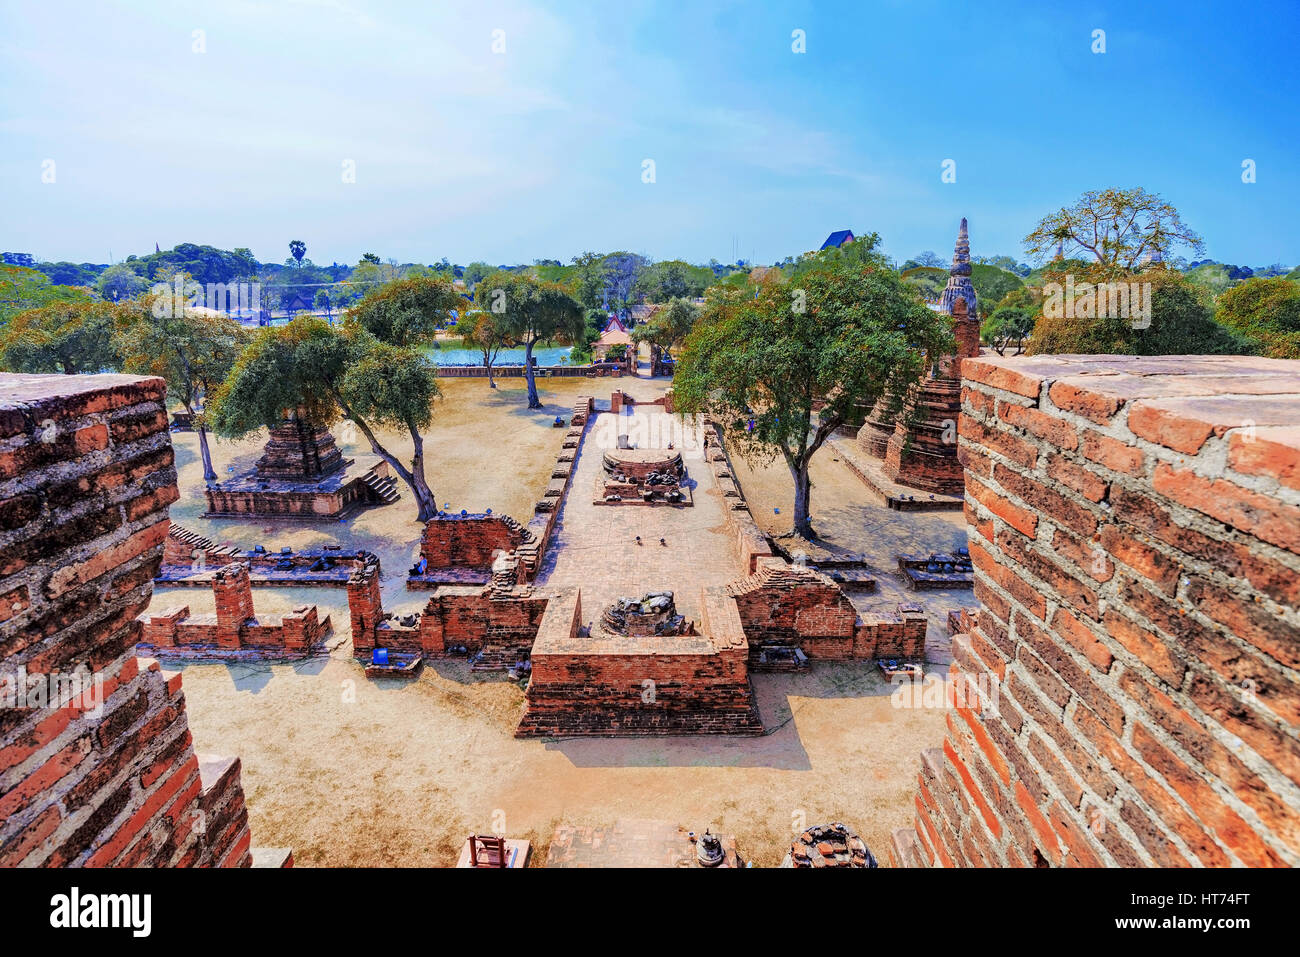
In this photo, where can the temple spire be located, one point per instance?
(959, 284)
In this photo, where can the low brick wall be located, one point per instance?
(788, 605)
(469, 541)
(515, 372)
(613, 685)
(1136, 542)
(752, 543)
(236, 631)
(107, 777)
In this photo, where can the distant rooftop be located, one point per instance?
(838, 238)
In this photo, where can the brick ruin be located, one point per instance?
(786, 608)
(1126, 694)
(829, 845)
(301, 475)
(235, 632)
(642, 477)
(607, 678)
(189, 557)
(101, 770)
(463, 548)
(923, 455)
(611, 684)
(494, 624)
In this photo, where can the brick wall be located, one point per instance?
(109, 777)
(235, 632)
(789, 605)
(752, 544)
(472, 541)
(1135, 531)
(618, 685)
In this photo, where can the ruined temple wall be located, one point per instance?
(1135, 532)
(752, 543)
(472, 541)
(807, 611)
(639, 686)
(109, 777)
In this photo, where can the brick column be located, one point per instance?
(234, 598)
(110, 777)
(365, 607)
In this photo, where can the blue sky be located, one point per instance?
(538, 151)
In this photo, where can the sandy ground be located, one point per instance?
(351, 772)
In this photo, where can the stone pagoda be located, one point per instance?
(298, 451)
(924, 456)
(302, 474)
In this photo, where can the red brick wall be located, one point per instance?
(1136, 540)
(784, 604)
(639, 686)
(469, 542)
(85, 480)
(233, 596)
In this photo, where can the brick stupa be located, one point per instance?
(302, 474)
(298, 451)
(923, 455)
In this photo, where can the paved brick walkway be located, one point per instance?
(594, 546)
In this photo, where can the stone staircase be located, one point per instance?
(385, 488)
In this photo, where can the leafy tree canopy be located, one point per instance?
(1182, 323)
(70, 336)
(22, 289)
(1268, 312)
(991, 285)
(1115, 228)
(407, 312)
(843, 335)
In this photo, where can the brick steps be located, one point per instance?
(385, 488)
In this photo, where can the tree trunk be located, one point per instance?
(533, 401)
(415, 480)
(209, 473)
(802, 499)
(424, 498)
(487, 361)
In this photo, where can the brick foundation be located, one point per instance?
(619, 685)
(109, 777)
(473, 541)
(236, 632)
(1136, 540)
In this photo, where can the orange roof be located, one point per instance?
(614, 336)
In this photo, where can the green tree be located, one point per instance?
(928, 281)
(847, 334)
(481, 331)
(1211, 276)
(669, 326)
(297, 249)
(475, 272)
(991, 284)
(1267, 311)
(529, 311)
(323, 373)
(1118, 228)
(22, 288)
(673, 279)
(1005, 325)
(1182, 323)
(407, 312)
(70, 336)
(194, 350)
(119, 282)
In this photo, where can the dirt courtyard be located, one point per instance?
(352, 772)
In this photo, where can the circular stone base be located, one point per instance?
(636, 464)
